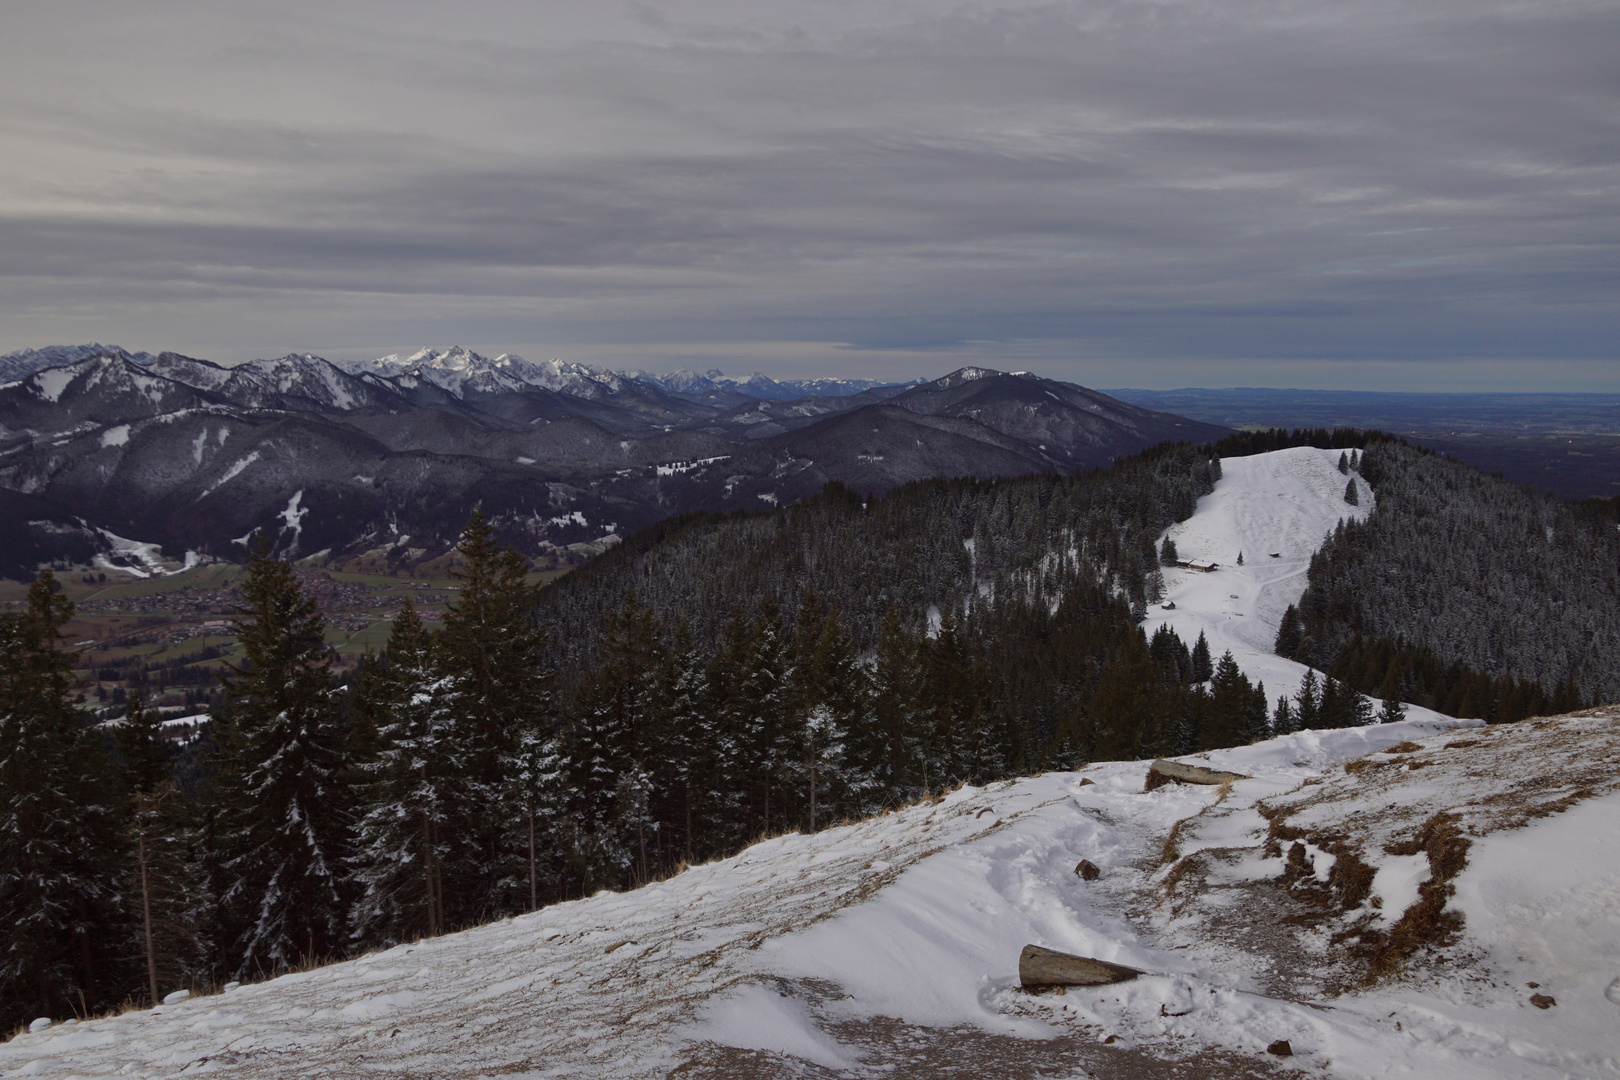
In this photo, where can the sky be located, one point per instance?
(1362, 194)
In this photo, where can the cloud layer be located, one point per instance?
(1128, 193)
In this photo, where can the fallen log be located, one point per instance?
(1048, 967)
(1163, 772)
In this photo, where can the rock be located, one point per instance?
(1543, 1001)
(1048, 967)
(1088, 870)
(1086, 780)
(39, 1025)
(1280, 1048)
(176, 998)
(1163, 772)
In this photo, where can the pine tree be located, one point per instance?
(1351, 496)
(1237, 713)
(1167, 552)
(894, 747)
(1202, 666)
(1290, 634)
(401, 840)
(164, 879)
(60, 914)
(283, 806)
(1308, 704)
(1283, 720)
(492, 651)
(1344, 464)
(1391, 712)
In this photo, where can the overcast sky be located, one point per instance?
(1413, 194)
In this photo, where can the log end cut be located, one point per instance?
(1048, 967)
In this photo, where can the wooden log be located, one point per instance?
(1162, 772)
(1048, 967)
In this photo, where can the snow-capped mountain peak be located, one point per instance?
(460, 370)
(22, 363)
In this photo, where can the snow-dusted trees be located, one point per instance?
(490, 651)
(1465, 593)
(61, 917)
(282, 807)
(407, 792)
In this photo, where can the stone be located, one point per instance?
(1088, 870)
(1163, 772)
(1280, 1048)
(1048, 967)
(1543, 1001)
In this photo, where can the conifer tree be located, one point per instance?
(283, 807)
(1391, 711)
(1351, 496)
(1307, 712)
(1167, 552)
(60, 912)
(1237, 712)
(1290, 633)
(1283, 720)
(492, 650)
(1202, 666)
(894, 747)
(401, 840)
(163, 880)
(699, 752)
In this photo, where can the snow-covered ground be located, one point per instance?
(890, 946)
(1273, 509)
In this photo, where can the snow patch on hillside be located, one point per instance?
(1275, 510)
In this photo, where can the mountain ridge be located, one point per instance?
(194, 456)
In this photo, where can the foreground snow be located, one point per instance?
(890, 946)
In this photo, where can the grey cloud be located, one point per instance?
(1154, 182)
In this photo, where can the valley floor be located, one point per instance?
(889, 947)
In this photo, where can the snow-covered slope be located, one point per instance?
(1275, 510)
(889, 947)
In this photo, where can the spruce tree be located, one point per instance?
(492, 650)
(1290, 633)
(1167, 552)
(1307, 713)
(1202, 666)
(892, 743)
(61, 920)
(163, 880)
(284, 811)
(1391, 711)
(401, 837)
(1351, 496)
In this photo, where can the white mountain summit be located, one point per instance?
(459, 370)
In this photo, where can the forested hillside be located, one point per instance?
(952, 545)
(1466, 592)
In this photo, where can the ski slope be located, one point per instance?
(889, 947)
(1281, 504)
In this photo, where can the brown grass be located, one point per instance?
(1426, 923)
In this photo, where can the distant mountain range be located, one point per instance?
(105, 453)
